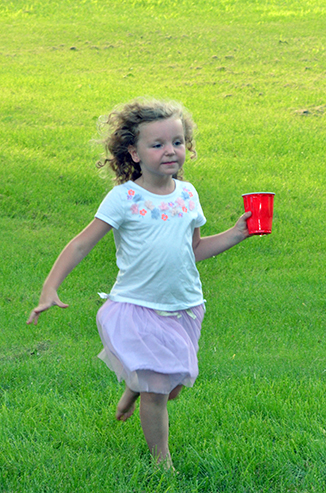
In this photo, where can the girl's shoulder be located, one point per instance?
(121, 189)
(117, 194)
(113, 207)
(185, 187)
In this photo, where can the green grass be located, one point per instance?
(253, 75)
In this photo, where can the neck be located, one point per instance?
(159, 188)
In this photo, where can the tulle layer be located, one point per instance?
(152, 352)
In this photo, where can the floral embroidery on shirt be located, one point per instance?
(186, 194)
(149, 204)
(138, 197)
(171, 209)
(155, 213)
(180, 202)
(163, 206)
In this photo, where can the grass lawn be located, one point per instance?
(253, 75)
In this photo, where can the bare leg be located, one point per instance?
(175, 392)
(155, 423)
(126, 405)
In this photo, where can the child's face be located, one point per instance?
(160, 149)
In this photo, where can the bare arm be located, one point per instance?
(71, 256)
(210, 246)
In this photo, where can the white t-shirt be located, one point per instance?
(153, 237)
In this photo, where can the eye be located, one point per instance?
(178, 142)
(156, 146)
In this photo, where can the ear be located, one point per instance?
(133, 153)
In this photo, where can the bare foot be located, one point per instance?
(165, 464)
(126, 405)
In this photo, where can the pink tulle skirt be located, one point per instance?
(152, 352)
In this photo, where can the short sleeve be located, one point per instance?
(111, 208)
(201, 219)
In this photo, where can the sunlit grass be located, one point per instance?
(253, 75)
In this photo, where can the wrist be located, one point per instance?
(48, 288)
(238, 235)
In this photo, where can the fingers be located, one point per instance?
(242, 226)
(34, 316)
(242, 219)
(31, 318)
(61, 305)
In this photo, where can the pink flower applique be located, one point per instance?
(191, 194)
(184, 209)
(163, 206)
(171, 204)
(131, 192)
(164, 217)
(180, 202)
(180, 214)
(143, 212)
(191, 205)
(134, 209)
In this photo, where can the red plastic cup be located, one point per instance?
(261, 206)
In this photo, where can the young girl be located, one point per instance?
(150, 325)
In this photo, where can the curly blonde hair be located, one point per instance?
(120, 129)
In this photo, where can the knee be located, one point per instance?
(153, 399)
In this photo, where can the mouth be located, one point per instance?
(170, 163)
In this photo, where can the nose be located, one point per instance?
(169, 149)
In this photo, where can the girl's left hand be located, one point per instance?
(241, 225)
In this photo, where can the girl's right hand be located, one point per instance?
(71, 255)
(47, 299)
